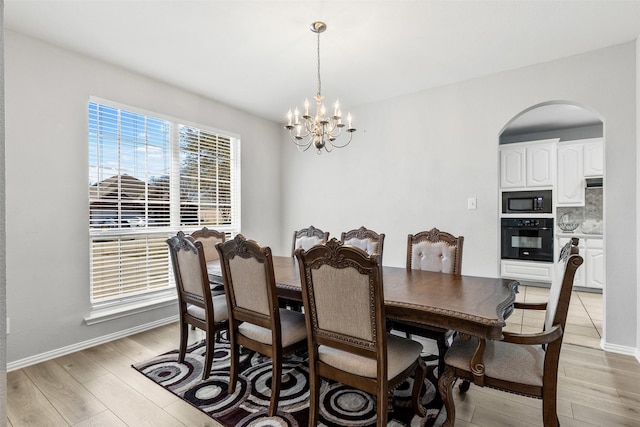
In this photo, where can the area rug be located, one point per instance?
(248, 406)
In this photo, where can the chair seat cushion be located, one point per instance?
(505, 361)
(401, 353)
(220, 312)
(291, 323)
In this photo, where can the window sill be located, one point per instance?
(116, 311)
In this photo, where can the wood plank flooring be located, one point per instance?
(98, 387)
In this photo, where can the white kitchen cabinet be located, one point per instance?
(527, 270)
(541, 164)
(512, 167)
(570, 191)
(528, 164)
(594, 260)
(579, 278)
(593, 159)
(591, 272)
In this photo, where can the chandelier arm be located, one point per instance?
(332, 128)
(300, 144)
(345, 144)
(297, 136)
(305, 144)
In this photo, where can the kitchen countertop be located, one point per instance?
(578, 234)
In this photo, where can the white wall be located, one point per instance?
(637, 195)
(3, 269)
(416, 159)
(47, 90)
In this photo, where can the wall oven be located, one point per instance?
(523, 202)
(528, 239)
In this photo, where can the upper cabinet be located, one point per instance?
(570, 176)
(513, 162)
(528, 165)
(593, 159)
(578, 160)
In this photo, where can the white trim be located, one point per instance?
(116, 311)
(620, 349)
(42, 357)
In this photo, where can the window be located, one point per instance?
(150, 176)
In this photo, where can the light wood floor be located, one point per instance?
(584, 320)
(98, 387)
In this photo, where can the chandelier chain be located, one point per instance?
(319, 81)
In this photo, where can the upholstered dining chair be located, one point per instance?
(308, 237)
(209, 239)
(255, 321)
(367, 240)
(197, 306)
(525, 364)
(439, 251)
(347, 338)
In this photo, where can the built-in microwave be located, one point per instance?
(520, 202)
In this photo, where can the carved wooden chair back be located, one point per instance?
(343, 297)
(306, 238)
(209, 239)
(365, 239)
(435, 250)
(197, 306)
(255, 322)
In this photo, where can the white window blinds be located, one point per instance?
(149, 177)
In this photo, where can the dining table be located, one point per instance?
(471, 305)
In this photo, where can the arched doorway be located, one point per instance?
(571, 136)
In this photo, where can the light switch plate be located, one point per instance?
(472, 203)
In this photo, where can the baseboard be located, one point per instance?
(620, 349)
(63, 351)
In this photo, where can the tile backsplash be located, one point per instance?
(589, 216)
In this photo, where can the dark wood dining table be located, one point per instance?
(471, 305)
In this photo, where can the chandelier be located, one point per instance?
(320, 130)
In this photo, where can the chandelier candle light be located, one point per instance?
(320, 130)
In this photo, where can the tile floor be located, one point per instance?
(584, 322)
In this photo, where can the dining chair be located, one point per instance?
(209, 239)
(439, 251)
(525, 364)
(197, 306)
(347, 339)
(308, 237)
(255, 321)
(367, 240)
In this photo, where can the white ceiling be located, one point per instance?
(260, 56)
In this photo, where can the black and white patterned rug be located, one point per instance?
(248, 406)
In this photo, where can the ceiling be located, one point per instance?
(260, 56)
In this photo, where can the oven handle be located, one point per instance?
(527, 228)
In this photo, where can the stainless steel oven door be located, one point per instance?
(527, 239)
